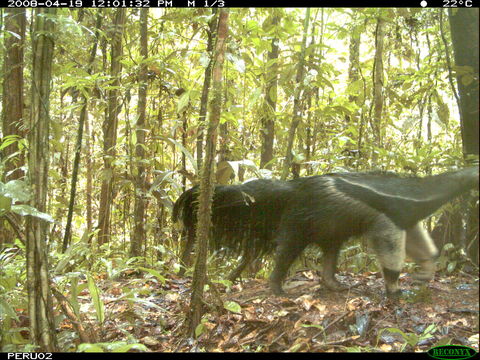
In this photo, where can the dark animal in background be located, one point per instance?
(260, 216)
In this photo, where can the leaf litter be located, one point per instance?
(310, 318)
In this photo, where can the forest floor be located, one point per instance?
(247, 317)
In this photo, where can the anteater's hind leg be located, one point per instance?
(388, 242)
(421, 248)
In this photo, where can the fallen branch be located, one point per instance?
(13, 223)
(68, 311)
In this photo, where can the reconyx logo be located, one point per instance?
(456, 352)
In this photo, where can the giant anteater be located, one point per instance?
(258, 216)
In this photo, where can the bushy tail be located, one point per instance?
(408, 200)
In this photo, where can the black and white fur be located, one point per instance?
(259, 216)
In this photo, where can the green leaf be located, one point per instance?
(74, 293)
(8, 140)
(89, 348)
(141, 301)
(429, 331)
(237, 61)
(272, 93)
(8, 282)
(254, 95)
(199, 330)
(97, 301)
(392, 330)
(233, 307)
(295, 347)
(226, 283)
(16, 337)
(444, 341)
(155, 273)
(251, 25)
(5, 204)
(183, 102)
(125, 348)
(355, 87)
(7, 309)
(74, 251)
(182, 148)
(24, 210)
(17, 190)
(312, 325)
(451, 266)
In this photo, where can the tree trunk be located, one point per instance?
(110, 130)
(350, 151)
(206, 86)
(448, 228)
(224, 151)
(297, 113)
(189, 239)
(12, 104)
(310, 93)
(463, 22)
(466, 51)
(207, 178)
(314, 119)
(472, 235)
(138, 240)
(378, 78)
(268, 116)
(354, 58)
(42, 327)
(89, 175)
